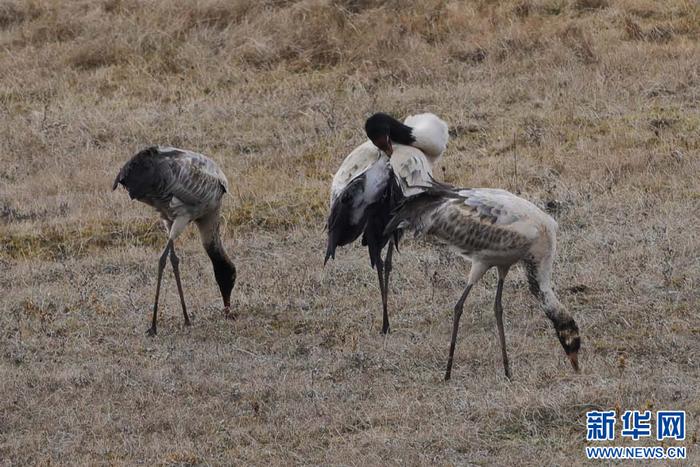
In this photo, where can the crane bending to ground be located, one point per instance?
(183, 187)
(491, 227)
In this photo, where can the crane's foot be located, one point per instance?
(385, 329)
(228, 314)
(151, 331)
(188, 322)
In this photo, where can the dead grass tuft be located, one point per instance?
(76, 241)
(579, 43)
(587, 5)
(13, 13)
(659, 34)
(359, 6)
(98, 54)
(473, 56)
(521, 41)
(315, 45)
(553, 7)
(523, 9)
(120, 6)
(52, 27)
(217, 14)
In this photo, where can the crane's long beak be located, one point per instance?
(383, 142)
(389, 150)
(573, 357)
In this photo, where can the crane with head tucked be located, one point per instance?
(183, 187)
(372, 180)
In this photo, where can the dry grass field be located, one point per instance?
(588, 107)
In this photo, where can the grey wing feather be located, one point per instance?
(488, 204)
(196, 181)
(173, 180)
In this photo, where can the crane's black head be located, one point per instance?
(382, 129)
(567, 332)
(224, 271)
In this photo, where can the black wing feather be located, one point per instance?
(140, 175)
(341, 230)
(147, 174)
(379, 216)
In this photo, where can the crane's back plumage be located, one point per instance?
(489, 224)
(354, 165)
(175, 181)
(412, 165)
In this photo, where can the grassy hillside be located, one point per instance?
(588, 107)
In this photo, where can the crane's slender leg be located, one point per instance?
(161, 265)
(498, 309)
(176, 229)
(385, 291)
(175, 261)
(459, 307)
(380, 275)
(477, 271)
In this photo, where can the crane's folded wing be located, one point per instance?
(350, 207)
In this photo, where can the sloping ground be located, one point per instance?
(589, 107)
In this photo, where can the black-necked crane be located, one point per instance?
(492, 227)
(374, 177)
(183, 187)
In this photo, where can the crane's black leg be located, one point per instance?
(380, 275)
(385, 291)
(477, 271)
(161, 265)
(498, 308)
(459, 308)
(175, 261)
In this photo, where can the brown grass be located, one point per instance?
(597, 101)
(584, 5)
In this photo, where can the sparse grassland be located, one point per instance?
(597, 103)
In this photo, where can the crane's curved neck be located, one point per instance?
(539, 276)
(224, 269)
(400, 133)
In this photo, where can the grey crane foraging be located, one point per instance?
(492, 227)
(373, 178)
(183, 187)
